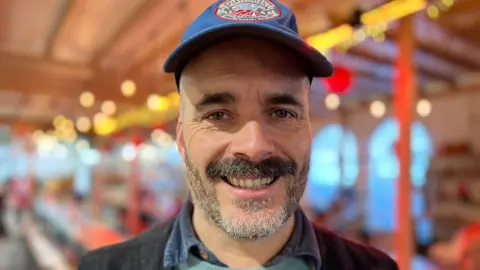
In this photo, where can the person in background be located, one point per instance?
(20, 196)
(244, 134)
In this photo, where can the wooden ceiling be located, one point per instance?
(53, 50)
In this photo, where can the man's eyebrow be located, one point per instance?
(284, 99)
(223, 98)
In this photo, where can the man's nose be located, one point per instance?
(252, 143)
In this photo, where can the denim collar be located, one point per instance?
(183, 241)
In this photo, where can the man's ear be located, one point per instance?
(180, 141)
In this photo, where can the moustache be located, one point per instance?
(240, 168)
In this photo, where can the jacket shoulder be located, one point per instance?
(369, 256)
(352, 254)
(129, 254)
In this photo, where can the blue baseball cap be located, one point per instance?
(262, 19)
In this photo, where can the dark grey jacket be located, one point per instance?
(145, 252)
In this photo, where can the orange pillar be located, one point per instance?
(405, 96)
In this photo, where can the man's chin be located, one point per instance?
(241, 216)
(246, 224)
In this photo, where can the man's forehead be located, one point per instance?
(201, 100)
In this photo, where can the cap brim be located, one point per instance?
(317, 64)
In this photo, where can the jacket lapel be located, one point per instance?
(336, 255)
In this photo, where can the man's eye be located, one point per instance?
(217, 116)
(282, 114)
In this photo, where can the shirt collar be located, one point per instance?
(183, 241)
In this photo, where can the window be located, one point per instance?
(327, 174)
(383, 175)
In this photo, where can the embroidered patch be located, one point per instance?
(247, 10)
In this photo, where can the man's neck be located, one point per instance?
(236, 253)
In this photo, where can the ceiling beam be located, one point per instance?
(127, 25)
(151, 24)
(372, 68)
(363, 88)
(159, 48)
(5, 14)
(10, 62)
(461, 6)
(451, 54)
(426, 63)
(433, 38)
(364, 104)
(27, 74)
(108, 86)
(65, 13)
(22, 105)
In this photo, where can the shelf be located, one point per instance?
(453, 192)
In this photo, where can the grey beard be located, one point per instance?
(204, 196)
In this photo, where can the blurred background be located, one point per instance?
(87, 135)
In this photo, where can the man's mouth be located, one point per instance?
(249, 183)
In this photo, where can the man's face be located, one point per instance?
(244, 134)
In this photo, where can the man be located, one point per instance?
(244, 134)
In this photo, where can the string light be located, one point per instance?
(380, 37)
(359, 35)
(128, 88)
(424, 107)
(83, 124)
(152, 101)
(99, 117)
(377, 109)
(174, 99)
(70, 136)
(433, 12)
(448, 3)
(103, 124)
(332, 101)
(109, 108)
(87, 99)
(82, 145)
(58, 120)
(161, 138)
(157, 103)
(66, 125)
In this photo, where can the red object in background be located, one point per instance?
(96, 235)
(454, 148)
(118, 137)
(105, 147)
(19, 190)
(158, 126)
(341, 80)
(137, 140)
(463, 193)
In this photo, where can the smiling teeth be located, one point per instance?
(250, 183)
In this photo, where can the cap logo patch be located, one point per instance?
(247, 10)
